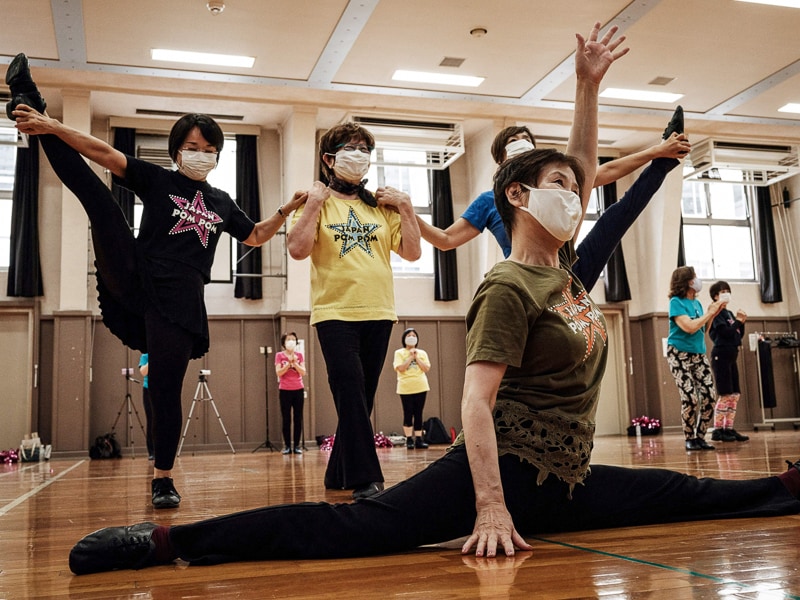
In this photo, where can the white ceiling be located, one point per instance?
(736, 63)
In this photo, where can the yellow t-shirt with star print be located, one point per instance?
(351, 271)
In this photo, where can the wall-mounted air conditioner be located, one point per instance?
(441, 142)
(724, 161)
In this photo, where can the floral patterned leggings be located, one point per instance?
(692, 373)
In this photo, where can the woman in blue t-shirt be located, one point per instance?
(686, 355)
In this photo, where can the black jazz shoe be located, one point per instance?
(113, 548)
(738, 436)
(23, 89)
(676, 123)
(368, 490)
(692, 444)
(704, 445)
(164, 493)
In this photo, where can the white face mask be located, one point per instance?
(725, 297)
(290, 344)
(558, 211)
(517, 147)
(696, 284)
(197, 165)
(351, 166)
(411, 341)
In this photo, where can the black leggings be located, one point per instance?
(168, 344)
(412, 409)
(291, 405)
(438, 505)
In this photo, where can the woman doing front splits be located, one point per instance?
(521, 464)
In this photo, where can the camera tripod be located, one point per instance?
(127, 404)
(202, 394)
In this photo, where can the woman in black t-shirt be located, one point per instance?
(150, 287)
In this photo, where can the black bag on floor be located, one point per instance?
(106, 446)
(435, 431)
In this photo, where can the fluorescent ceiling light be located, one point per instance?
(786, 3)
(437, 78)
(203, 58)
(642, 95)
(792, 107)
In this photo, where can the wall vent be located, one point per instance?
(753, 163)
(442, 142)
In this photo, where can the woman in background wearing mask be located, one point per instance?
(726, 332)
(150, 287)
(290, 369)
(411, 365)
(349, 233)
(686, 355)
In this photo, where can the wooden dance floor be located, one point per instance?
(46, 507)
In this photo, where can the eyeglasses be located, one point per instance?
(362, 149)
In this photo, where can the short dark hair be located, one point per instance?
(526, 168)
(405, 335)
(285, 335)
(715, 289)
(679, 283)
(207, 126)
(501, 141)
(339, 136)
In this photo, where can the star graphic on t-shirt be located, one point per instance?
(194, 216)
(354, 234)
(581, 316)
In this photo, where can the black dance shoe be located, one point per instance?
(297, 450)
(164, 493)
(23, 89)
(693, 444)
(410, 442)
(676, 123)
(113, 548)
(286, 450)
(704, 445)
(368, 490)
(420, 444)
(738, 437)
(793, 465)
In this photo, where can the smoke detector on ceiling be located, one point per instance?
(215, 7)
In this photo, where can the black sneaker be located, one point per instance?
(716, 435)
(286, 450)
(113, 548)
(164, 493)
(297, 450)
(738, 437)
(23, 89)
(676, 123)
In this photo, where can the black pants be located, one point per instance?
(354, 352)
(168, 344)
(412, 409)
(438, 504)
(725, 369)
(291, 406)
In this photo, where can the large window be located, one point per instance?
(591, 217)
(717, 236)
(414, 181)
(8, 160)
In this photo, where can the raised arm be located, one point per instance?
(459, 233)
(493, 524)
(675, 146)
(592, 60)
(33, 122)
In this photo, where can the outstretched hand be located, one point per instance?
(593, 58)
(493, 528)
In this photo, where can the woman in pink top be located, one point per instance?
(290, 368)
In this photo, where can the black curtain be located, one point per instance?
(249, 199)
(616, 281)
(125, 142)
(768, 273)
(25, 270)
(445, 269)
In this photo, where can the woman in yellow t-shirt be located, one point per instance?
(411, 364)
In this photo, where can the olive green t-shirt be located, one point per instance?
(542, 324)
